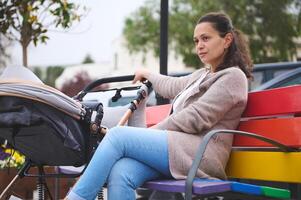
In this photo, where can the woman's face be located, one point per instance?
(210, 47)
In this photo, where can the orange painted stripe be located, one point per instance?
(284, 130)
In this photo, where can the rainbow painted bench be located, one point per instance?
(266, 149)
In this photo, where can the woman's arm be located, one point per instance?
(166, 86)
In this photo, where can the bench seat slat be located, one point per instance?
(284, 130)
(268, 166)
(251, 189)
(199, 187)
(277, 193)
(246, 188)
(205, 186)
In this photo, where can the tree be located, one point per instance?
(4, 56)
(28, 21)
(52, 73)
(88, 59)
(271, 26)
(38, 72)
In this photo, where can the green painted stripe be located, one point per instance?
(275, 192)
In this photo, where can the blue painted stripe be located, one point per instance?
(246, 188)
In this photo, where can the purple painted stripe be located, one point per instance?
(199, 186)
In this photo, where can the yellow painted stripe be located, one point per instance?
(270, 166)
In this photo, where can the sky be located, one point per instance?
(93, 35)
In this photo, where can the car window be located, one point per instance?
(267, 71)
(296, 80)
(259, 79)
(279, 72)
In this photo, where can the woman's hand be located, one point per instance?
(141, 75)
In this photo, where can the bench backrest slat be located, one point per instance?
(268, 166)
(279, 101)
(155, 114)
(284, 130)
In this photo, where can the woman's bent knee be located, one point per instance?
(115, 136)
(121, 175)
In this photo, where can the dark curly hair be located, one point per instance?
(238, 53)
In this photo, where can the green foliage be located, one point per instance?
(142, 29)
(52, 73)
(88, 59)
(38, 72)
(271, 26)
(28, 21)
(48, 75)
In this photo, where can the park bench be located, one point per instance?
(266, 149)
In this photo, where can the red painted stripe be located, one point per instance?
(279, 101)
(155, 114)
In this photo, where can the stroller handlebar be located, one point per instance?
(98, 82)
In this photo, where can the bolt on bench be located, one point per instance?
(266, 148)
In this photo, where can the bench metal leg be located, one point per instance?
(158, 195)
(295, 190)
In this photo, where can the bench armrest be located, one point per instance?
(199, 155)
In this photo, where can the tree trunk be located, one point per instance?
(24, 51)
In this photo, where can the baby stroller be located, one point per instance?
(48, 127)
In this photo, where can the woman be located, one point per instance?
(210, 98)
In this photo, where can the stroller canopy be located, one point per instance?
(21, 82)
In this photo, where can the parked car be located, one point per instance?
(267, 71)
(292, 77)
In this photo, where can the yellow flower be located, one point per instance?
(8, 151)
(16, 159)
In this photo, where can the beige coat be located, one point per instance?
(217, 103)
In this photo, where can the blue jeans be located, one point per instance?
(125, 159)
